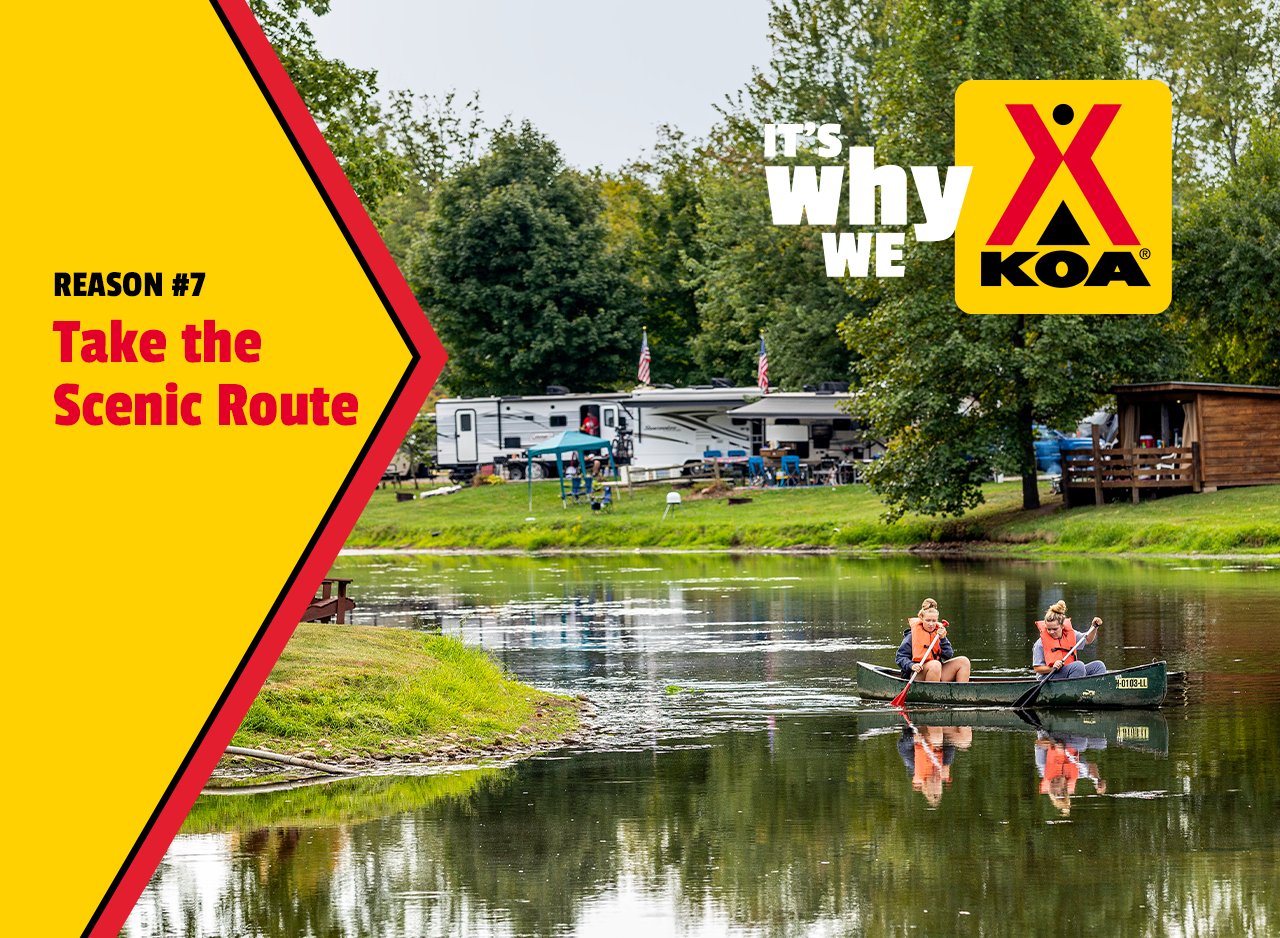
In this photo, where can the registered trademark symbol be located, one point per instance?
(1144, 254)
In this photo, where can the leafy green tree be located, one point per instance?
(1218, 58)
(513, 271)
(756, 276)
(1226, 283)
(958, 395)
(653, 215)
(433, 134)
(420, 443)
(341, 99)
(750, 275)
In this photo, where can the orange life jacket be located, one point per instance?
(920, 640)
(1057, 764)
(1055, 648)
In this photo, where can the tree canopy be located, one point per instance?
(513, 272)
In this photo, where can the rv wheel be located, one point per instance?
(515, 471)
(537, 471)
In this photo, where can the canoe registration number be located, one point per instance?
(1130, 683)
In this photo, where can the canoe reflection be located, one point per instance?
(927, 753)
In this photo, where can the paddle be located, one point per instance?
(1030, 696)
(902, 695)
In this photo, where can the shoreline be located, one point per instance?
(927, 550)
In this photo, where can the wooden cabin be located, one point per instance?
(1182, 436)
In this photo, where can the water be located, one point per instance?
(737, 785)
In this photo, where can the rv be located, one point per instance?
(475, 431)
(810, 424)
(646, 427)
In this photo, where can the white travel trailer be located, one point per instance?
(475, 431)
(647, 427)
(675, 426)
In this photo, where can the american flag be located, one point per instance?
(762, 373)
(644, 358)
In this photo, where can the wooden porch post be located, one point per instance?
(1195, 466)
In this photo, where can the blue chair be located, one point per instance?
(604, 502)
(790, 474)
(755, 470)
(590, 481)
(576, 488)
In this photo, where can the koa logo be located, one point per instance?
(1070, 196)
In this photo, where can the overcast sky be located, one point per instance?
(596, 77)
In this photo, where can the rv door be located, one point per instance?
(465, 425)
(609, 423)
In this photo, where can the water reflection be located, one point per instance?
(772, 802)
(928, 753)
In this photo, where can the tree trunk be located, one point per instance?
(1026, 435)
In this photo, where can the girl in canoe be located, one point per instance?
(1052, 651)
(914, 653)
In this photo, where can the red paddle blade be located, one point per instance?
(902, 695)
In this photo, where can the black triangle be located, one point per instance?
(1063, 229)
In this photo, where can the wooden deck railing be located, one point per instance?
(1134, 469)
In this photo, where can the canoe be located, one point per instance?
(1145, 730)
(1139, 687)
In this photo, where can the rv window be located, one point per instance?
(608, 417)
(739, 421)
(842, 424)
(787, 421)
(559, 420)
(511, 442)
(464, 423)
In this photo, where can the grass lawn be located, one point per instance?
(368, 690)
(498, 516)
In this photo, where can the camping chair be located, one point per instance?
(790, 473)
(673, 501)
(755, 470)
(576, 489)
(604, 502)
(590, 482)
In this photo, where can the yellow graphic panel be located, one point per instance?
(196, 358)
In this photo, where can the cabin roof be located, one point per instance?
(1173, 387)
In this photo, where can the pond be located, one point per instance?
(736, 784)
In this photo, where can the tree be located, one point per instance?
(513, 272)
(958, 395)
(341, 99)
(420, 443)
(1218, 58)
(750, 275)
(1226, 276)
(756, 276)
(433, 135)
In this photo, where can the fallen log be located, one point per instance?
(289, 760)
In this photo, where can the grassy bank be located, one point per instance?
(354, 691)
(499, 516)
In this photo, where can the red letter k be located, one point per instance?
(1079, 160)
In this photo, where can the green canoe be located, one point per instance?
(1139, 687)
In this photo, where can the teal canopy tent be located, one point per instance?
(570, 441)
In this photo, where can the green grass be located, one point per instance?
(1245, 520)
(368, 689)
(494, 517)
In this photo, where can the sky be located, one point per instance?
(596, 77)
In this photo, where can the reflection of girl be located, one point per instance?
(927, 753)
(914, 654)
(1053, 652)
(1060, 767)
